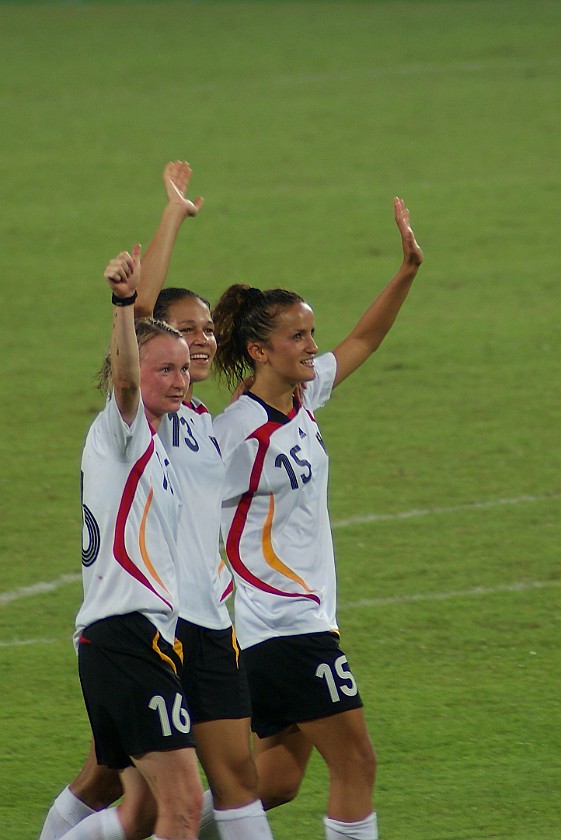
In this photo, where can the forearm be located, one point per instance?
(378, 319)
(156, 260)
(373, 326)
(125, 362)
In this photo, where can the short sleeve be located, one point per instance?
(317, 392)
(129, 441)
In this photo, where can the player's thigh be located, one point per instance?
(97, 785)
(344, 743)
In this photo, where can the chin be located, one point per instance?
(199, 375)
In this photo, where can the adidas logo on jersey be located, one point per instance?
(301, 433)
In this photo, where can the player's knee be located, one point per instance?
(360, 764)
(280, 793)
(141, 823)
(369, 763)
(235, 785)
(98, 789)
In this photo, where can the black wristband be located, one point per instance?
(119, 301)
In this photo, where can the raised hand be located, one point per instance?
(123, 273)
(177, 175)
(412, 254)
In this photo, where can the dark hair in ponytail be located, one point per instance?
(244, 314)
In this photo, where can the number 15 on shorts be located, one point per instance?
(338, 678)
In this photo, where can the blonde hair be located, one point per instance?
(146, 329)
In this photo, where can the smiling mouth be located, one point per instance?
(199, 357)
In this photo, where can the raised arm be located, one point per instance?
(156, 260)
(123, 275)
(376, 322)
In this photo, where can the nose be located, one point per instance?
(312, 346)
(199, 337)
(182, 379)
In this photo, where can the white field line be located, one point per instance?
(478, 591)
(410, 514)
(51, 586)
(37, 589)
(454, 68)
(13, 643)
(369, 603)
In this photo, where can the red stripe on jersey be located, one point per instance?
(198, 409)
(262, 435)
(228, 591)
(119, 547)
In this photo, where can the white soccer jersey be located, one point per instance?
(205, 581)
(275, 521)
(131, 504)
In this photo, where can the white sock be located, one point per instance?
(101, 825)
(65, 812)
(246, 823)
(366, 829)
(208, 829)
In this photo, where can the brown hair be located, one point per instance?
(146, 329)
(244, 314)
(169, 296)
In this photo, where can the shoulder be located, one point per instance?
(110, 418)
(197, 407)
(110, 433)
(238, 421)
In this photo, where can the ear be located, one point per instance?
(257, 352)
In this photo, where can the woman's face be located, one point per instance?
(290, 350)
(164, 375)
(193, 320)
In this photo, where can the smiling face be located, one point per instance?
(288, 355)
(164, 375)
(192, 318)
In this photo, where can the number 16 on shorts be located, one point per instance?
(178, 719)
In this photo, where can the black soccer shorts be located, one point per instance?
(133, 694)
(298, 678)
(213, 675)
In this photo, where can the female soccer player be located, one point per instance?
(125, 628)
(215, 684)
(278, 539)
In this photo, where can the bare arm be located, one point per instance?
(123, 275)
(156, 260)
(376, 322)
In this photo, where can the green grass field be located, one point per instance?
(301, 120)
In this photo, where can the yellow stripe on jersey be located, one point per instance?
(161, 654)
(142, 541)
(269, 552)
